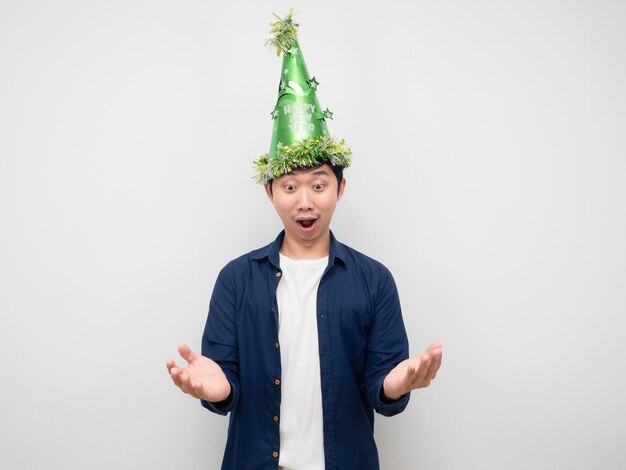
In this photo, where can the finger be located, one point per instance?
(414, 364)
(424, 363)
(191, 387)
(175, 375)
(430, 373)
(185, 381)
(170, 365)
(438, 354)
(434, 346)
(433, 374)
(439, 358)
(186, 353)
(412, 371)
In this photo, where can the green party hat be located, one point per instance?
(300, 137)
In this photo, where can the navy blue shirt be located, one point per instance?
(361, 338)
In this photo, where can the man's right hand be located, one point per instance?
(202, 378)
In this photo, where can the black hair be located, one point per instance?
(337, 170)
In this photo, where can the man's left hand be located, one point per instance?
(415, 372)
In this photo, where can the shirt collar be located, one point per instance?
(271, 251)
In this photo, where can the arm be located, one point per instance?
(213, 377)
(387, 346)
(220, 340)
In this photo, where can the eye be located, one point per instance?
(318, 187)
(289, 188)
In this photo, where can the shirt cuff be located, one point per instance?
(387, 407)
(224, 406)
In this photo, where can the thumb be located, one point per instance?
(411, 372)
(186, 353)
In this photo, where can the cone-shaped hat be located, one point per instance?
(300, 137)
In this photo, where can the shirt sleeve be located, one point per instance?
(219, 340)
(387, 346)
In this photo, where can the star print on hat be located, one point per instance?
(300, 137)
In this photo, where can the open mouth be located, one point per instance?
(306, 223)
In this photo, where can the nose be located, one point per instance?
(305, 201)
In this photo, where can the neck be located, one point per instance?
(302, 249)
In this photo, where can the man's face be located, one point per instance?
(305, 201)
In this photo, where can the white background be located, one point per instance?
(489, 164)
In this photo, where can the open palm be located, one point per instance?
(412, 373)
(202, 378)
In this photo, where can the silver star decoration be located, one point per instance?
(293, 51)
(328, 114)
(313, 83)
(285, 72)
(274, 114)
(283, 85)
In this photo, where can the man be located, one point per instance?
(304, 337)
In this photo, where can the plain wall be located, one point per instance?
(489, 164)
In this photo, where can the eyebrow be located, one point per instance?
(315, 173)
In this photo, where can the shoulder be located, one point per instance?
(361, 261)
(372, 275)
(241, 264)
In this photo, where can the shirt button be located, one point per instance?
(278, 274)
(277, 345)
(277, 382)
(275, 419)
(274, 454)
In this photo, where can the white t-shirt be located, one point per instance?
(301, 420)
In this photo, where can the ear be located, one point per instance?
(268, 191)
(342, 188)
